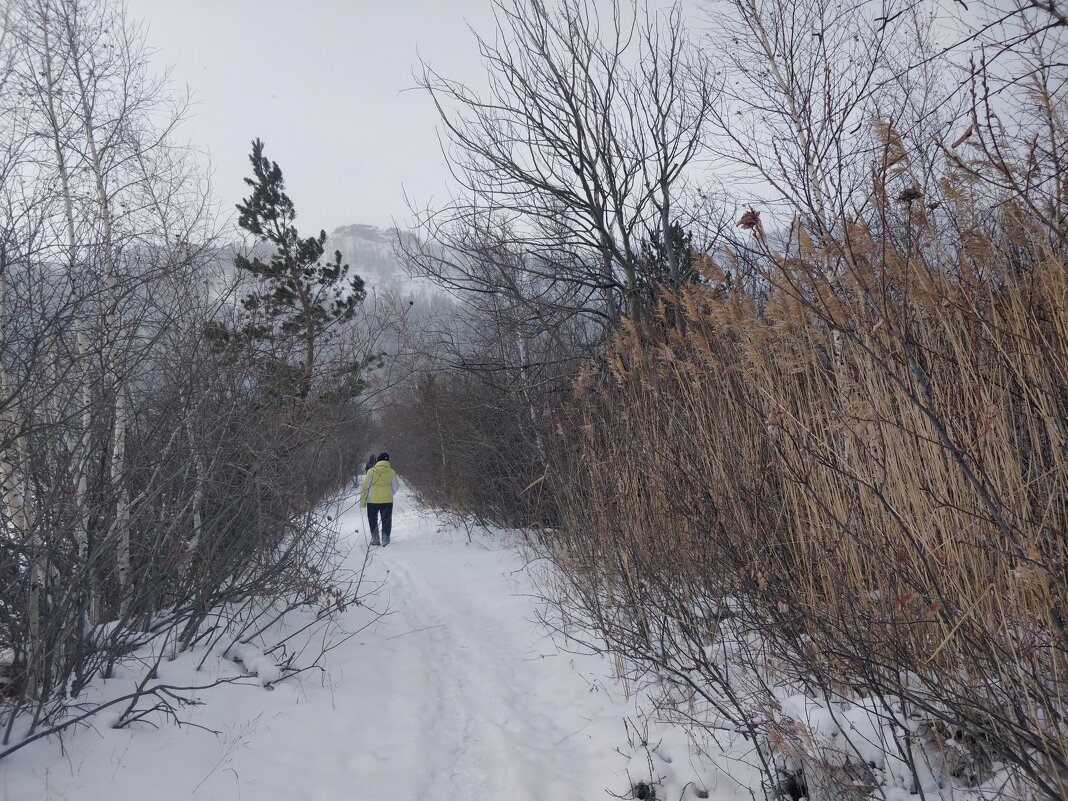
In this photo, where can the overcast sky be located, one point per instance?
(323, 83)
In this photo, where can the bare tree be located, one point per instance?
(579, 148)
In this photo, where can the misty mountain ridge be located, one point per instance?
(370, 253)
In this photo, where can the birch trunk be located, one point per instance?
(200, 472)
(81, 482)
(120, 528)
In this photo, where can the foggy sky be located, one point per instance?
(323, 83)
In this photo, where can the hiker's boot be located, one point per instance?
(375, 541)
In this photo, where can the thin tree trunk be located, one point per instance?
(81, 460)
(528, 400)
(118, 453)
(672, 254)
(200, 471)
(15, 500)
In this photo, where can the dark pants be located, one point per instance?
(373, 511)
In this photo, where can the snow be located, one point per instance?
(257, 663)
(841, 732)
(455, 692)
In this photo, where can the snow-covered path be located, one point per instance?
(463, 697)
(455, 694)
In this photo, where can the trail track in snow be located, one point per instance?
(495, 709)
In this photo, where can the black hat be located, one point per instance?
(383, 457)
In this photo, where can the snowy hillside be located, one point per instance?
(370, 252)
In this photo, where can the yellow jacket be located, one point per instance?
(379, 484)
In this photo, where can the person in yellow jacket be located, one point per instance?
(379, 486)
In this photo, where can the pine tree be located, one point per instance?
(654, 272)
(301, 296)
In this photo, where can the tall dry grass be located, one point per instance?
(867, 468)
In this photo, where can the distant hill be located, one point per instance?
(369, 251)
